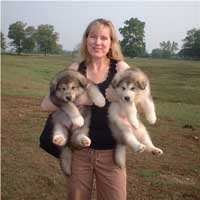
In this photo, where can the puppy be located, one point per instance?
(132, 89)
(71, 122)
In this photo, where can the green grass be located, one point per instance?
(30, 75)
(147, 173)
(29, 173)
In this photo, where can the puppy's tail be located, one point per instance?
(120, 155)
(65, 160)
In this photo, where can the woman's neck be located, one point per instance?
(97, 70)
(98, 65)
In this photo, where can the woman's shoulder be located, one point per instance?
(121, 65)
(74, 66)
(77, 65)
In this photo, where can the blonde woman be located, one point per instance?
(101, 59)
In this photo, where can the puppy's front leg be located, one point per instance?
(72, 111)
(148, 108)
(96, 96)
(131, 112)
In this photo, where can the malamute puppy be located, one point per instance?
(132, 89)
(69, 120)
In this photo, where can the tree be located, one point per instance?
(133, 37)
(17, 34)
(156, 53)
(191, 46)
(168, 48)
(28, 43)
(3, 42)
(58, 49)
(46, 38)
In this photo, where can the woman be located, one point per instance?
(102, 58)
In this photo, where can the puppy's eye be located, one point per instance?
(133, 88)
(123, 88)
(63, 88)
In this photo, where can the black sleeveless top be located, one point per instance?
(100, 133)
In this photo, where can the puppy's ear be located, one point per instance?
(53, 86)
(55, 81)
(141, 78)
(114, 83)
(116, 80)
(78, 76)
(142, 84)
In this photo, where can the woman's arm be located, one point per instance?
(47, 105)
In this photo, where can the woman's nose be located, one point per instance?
(98, 40)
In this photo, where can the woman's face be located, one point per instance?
(99, 42)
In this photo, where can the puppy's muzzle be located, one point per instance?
(68, 98)
(127, 98)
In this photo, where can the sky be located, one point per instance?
(164, 20)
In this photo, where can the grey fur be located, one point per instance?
(132, 88)
(65, 88)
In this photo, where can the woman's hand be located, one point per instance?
(47, 105)
(111, 95)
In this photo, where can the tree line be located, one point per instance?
(28, 39)
(133, 43)
(44, 39)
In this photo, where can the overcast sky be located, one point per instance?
(169, 20)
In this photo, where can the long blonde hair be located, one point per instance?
(115, 50)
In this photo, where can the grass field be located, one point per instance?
(28, 173)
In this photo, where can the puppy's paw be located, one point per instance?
(85, 141)
(99, 101)
(140, 148)
(59, 140)
(78, 121)
(151, 118)
(157, 151)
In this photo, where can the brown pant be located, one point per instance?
(110, 179)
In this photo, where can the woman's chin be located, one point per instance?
(98, 55)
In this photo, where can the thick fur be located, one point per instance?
(132, 89)
(71, 122)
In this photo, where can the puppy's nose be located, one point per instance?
(127, 98)
(69, 98)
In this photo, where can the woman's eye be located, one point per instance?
(73, 88)
(104, 38)
(92, 36)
